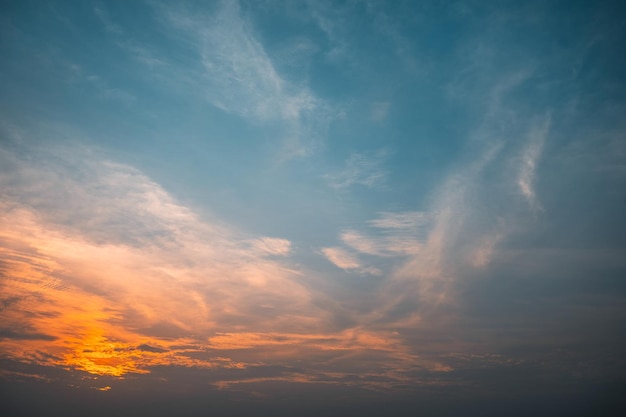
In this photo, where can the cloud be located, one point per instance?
(107, 278)
(391, 235)
(15, 335)
(341, 258)
(360, 243)
(380, 110)
(104, 17)
(332, 22)
(359, 169)
(104, 270)
(272, 246)
(390, 244)
(468, 216)
(77, 74)
(348, 262)
(110, 252)
(529, 159)
(239, 77)
(143, 54)
(483, 250)
(408, 220)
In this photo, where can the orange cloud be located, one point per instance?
(133, 281)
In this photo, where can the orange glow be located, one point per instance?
(97, 308)
(100, 356)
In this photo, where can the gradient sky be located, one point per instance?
(312, 207)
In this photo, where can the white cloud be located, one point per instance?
(391, 234)
(528, 164)
(114, 232)
(360, 243)
(239, 77)
(105, 264)
(348, 262)
(429, 252)
(400, 243)
(272, 245)
(453, 243)
(341, 258)
(407, 220)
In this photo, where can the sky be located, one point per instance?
(312, 207)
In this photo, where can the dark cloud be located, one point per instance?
(20, 335)
(148, 348)
(294, 399)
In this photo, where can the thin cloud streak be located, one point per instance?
(341, 258)
(529, 160)
(360, 169)
(389, 245)
(409, 220)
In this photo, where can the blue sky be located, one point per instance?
(375, 203)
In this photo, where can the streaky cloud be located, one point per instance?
(341, 258)
(360, 169)
(408, 220)
(528, 164)
(272, 245)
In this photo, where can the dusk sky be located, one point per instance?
(294, 208)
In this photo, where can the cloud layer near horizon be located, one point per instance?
(113, 279)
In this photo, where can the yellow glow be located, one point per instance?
(100, 356)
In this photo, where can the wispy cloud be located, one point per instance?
(380, 110)
(272, 245)
(401, 242)
(143, 54)
(341, 258)
(529, 159)
(347, 261)
(140, 52)
(360, 169)
(360, 242)
(239, 77)
(407, 220)
(443, 245)
(106, 20)
(392, 235)
(429, 276)
(332, 22)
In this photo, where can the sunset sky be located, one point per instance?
(294, 208)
